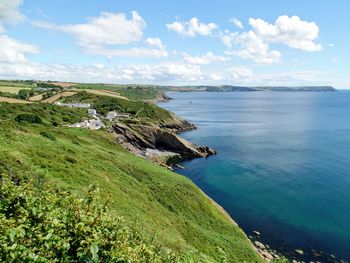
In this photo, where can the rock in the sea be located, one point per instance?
(256, 233)
(299, 251)
(266, 255)
(316, 254)
(259, 245)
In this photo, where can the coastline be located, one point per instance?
(263, 250)
(294, 255)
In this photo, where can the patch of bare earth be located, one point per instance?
(11, 100)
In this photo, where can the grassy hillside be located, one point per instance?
(166, 204)
(133, 92)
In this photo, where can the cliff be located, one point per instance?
(161, 145)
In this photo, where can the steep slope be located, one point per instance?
(168, 205)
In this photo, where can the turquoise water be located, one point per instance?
(283, 163)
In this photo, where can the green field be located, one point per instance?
(13, 90)
(167, 205)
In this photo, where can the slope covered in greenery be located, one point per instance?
(133, 92)
(168, 206)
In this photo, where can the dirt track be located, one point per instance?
(105, 93)
(11, 100)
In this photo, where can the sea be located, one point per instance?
(282, 166)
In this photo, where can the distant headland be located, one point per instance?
(229, 88)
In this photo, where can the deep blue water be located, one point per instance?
(283, 163)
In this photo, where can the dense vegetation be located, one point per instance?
(168, 206)
(48, 114)
(40, 223)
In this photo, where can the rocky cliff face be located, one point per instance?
(160, 144)
(177, 125)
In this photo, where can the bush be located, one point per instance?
(48, 135)
(52, 226)
(29, 118)
(23, 94)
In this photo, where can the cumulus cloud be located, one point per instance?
(253, 48)
(9, 12)
(206, 59)
(255, 43)
(192, 28)
(236, 22)
(108, 29)
(13, 51)
(291, 31)
(105, 34)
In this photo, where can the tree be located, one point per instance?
(23, 94)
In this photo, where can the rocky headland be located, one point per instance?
(159, 143)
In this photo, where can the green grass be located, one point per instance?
(133, 92)
(50, 114)
(168, 205)
(11, 89)
(16, 83)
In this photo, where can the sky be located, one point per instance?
(183, 42)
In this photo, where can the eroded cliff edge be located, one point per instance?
(159, 143)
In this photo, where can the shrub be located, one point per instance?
(23, 94)
(48, 135)
(51, 226)
(29, 118)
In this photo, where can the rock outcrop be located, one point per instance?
(152, 141)
(177, 125)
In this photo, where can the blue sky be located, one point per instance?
(252, 42)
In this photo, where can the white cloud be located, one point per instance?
(255, 43)
(206, 59)
(155, 49)
(13, 51)
(252, 47)
(166, 72)
(291, 31)
(192, 28)
(156, 42)
(236, 22)
(241, 75)
(104, 34)
(108, 29)
(9, 12)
